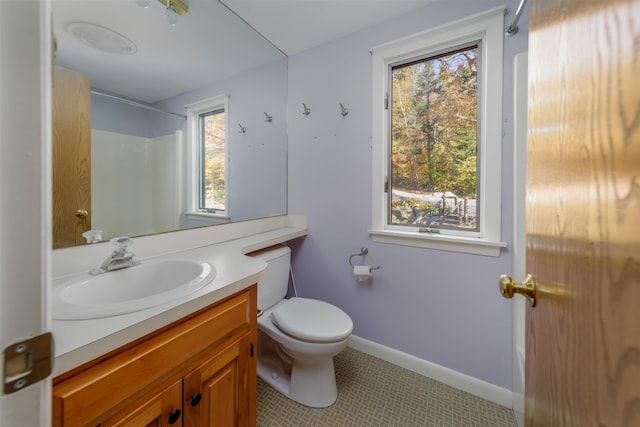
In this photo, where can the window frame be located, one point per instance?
(195, 156)
(486, 27)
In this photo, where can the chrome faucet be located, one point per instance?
(120, 258)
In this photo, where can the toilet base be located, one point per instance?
(308, 382)
(313, 383)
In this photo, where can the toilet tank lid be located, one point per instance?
(271, 253)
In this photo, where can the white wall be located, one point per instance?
(168, 182)
(133, 184)
(441, 307)
(25, 197)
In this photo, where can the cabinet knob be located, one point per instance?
(195, 399)
(174, 416)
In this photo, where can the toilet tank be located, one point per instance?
(274, 287)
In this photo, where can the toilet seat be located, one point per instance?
(312, 320)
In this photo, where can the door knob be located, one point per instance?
(508, 288)
(82, 213)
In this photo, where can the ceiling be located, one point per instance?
(209, 43)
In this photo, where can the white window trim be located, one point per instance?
(487, 27)
(194, 153)
(213, 218)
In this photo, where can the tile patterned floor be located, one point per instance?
(372, 393)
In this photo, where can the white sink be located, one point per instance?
(129, 289)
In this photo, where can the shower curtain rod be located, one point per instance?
(135, 104)
(513, 28)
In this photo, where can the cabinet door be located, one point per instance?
(161, 410)
(218, 392)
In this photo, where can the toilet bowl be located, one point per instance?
(297, 337)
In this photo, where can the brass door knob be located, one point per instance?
(508, 288)
(82, 213)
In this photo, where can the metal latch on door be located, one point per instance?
(27, 362)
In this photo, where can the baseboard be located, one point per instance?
(483, 389)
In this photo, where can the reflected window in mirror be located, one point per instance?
(208, 142)
(212, 144)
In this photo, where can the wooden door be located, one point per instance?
(71, 153)
(583, 213)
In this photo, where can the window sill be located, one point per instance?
(218, 218)
(468, 245)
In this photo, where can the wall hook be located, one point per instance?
(306, 111)
(242, 129)
(343, 111)
(268, 118)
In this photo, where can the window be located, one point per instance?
(212, 144)
(208, 136)
(433, 150)
(437, 137)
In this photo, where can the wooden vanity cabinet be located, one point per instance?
(161, 409)
(200, 371)
(213, 392)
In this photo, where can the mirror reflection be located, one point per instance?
(132, 153)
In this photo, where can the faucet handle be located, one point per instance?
(121, 243)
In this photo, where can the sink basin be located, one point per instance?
(129, 289)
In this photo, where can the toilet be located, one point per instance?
(297, 337)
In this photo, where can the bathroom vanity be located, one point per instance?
(190, 362)
(198, 371)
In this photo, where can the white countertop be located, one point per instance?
(80, 341)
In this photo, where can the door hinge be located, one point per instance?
(386, 184)
(386, 100)
(27, 362)
(251, 349)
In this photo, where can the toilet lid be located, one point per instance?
(312, 320)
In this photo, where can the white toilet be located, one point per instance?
(297, 337)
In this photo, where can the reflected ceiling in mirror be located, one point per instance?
(208, 44)
(209, 52)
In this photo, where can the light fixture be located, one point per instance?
(175, 8)
(178, 6)
(171, 14)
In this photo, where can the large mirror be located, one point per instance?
(142, 64)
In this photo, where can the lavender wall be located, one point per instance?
(258, 159)
(442, 307)
(114, 116)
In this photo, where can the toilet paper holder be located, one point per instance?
(363, 252)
